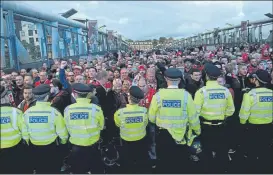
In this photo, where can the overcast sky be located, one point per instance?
(140, 20)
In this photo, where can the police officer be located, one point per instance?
(11, 128)
(44, 125)
(256, 112)
(213, 104)
(84, 122)
(132, 121)
(174, 113)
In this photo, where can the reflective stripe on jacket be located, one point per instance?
(174, 110)
(84, 122)
(11, 126)
(257, 107)
(44, 124)
(214, 102)
(132, 122)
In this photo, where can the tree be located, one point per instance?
(129, 40)
(162, 40)
(33, 51)
(155, 42)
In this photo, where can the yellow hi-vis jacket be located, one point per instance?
(257, 107)
(11, 127)
(214, 102)
(84, 122)
(44, 124)
(132, 122)
(174, 110)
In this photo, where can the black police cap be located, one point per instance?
(212, 70)
(262, 75)
(136, 92)
(81, 88)
(173, 73)
(41, 89)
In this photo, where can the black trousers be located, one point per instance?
(85, 158)
(134, 157)
(44, 159)
(259, 149)
(13, 160)
(213, 139)
(173, 158)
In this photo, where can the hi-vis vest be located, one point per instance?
(214, 102)
(132, 122)
(84, 122)
(44, 124)
(257, 106)
(174, 110)
(11, 126)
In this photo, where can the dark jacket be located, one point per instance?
(18, 95)
(161, 82)
(61, 101)
(192, 86)
(23, 103)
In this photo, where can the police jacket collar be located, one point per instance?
(83, 100)
(131, 105)
(211, 83)
(41, 103)
(172, 87)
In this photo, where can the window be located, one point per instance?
(31, 40)
(22, 33)
(35, 31)
(37, 39)
(30, 32)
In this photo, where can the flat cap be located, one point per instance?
(78, 67)
(212, 70)
(81, 88)
(136, 92)
(262, 75)
(41, 89)
(173, 73)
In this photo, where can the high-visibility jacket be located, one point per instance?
(214, 102)
(257, 106)
(174, 110)
(11, 127)
(132, 122)
(84, 122)
(44, 124)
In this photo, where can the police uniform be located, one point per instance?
(44, 125)
(84, 122)
(173, 112)
(11, 128)
(132, 122)
(214, 104)
(257, 114)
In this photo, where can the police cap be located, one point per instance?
(212, 70)
(262, 76)
(41, 89)
(136, 92)
(173, 73)
(81, 88)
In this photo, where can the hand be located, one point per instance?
(63, 64)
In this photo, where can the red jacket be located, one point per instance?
(93, 82)
(39, 82)
(148, 98)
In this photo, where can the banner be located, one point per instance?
(93, 34)
(244, 31)
(110, 37)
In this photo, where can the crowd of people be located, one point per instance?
(129, 85)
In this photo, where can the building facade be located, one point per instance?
(141, 45)
(29, 33)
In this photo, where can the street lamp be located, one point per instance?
(102, 27)
(269, 15)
